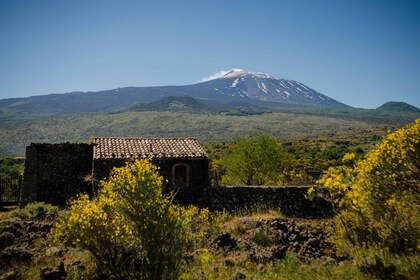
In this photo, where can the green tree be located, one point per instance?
(379, 198)
(11, 167)
(256, 160)
(131, 227)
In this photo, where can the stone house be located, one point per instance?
(182, 162)
(54, 173)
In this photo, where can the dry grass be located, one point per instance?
(7, 212)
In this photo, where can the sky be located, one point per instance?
(361, 52)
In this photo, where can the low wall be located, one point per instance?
(289, 200)
(55, 172)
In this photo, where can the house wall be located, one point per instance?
(198, 169)
(55, 173)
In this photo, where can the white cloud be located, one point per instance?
(216, 75)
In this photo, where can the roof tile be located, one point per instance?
(125, 148)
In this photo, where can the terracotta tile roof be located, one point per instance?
(125, 148)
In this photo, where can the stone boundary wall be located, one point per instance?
(290, 201)
(55, 172)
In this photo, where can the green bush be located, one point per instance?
(256, 160)
(37, 210)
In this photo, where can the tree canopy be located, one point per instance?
(256, 160)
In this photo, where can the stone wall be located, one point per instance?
(289, 200)
(55, 172)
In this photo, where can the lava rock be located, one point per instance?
(48, 273)
(6, 239)
(225, 241)
(53, 251)
(14, 255)
(239, 275)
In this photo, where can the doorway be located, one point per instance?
(180, 175)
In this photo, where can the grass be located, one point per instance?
(7, 212)
(212, 266)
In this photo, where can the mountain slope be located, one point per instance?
(171, 103)
(398, 107)
(236, 86)
(263, 87)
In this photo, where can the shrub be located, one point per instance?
(131, 227)
(256, 160)
(37, 210)
(379, 196)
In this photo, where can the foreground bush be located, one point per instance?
(131, 227)
(379, 198)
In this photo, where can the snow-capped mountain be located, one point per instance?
(263, 87)
(236, 86)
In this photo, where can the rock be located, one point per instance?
(12, 228)
(313, 242)
(225, 241)
(6, 239)
(10, 275)
(239, 275)
(53, 251)
(279, 252)
(293, 238)
(77, 265)
(229, 262)
(261, 255)
(14, 255)
(48, 273)
(32, 227)
(11, 220)
(244, 245)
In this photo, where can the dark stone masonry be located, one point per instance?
(290, 201)
(56, 172)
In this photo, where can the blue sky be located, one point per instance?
(362, 53)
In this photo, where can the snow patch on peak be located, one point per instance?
(234, 83)
(234, 73)
(263, 88)
(237, 72)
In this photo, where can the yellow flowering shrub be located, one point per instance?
(337, 181)
(132, 227)
(379, 198)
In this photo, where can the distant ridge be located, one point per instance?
(398, 107)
